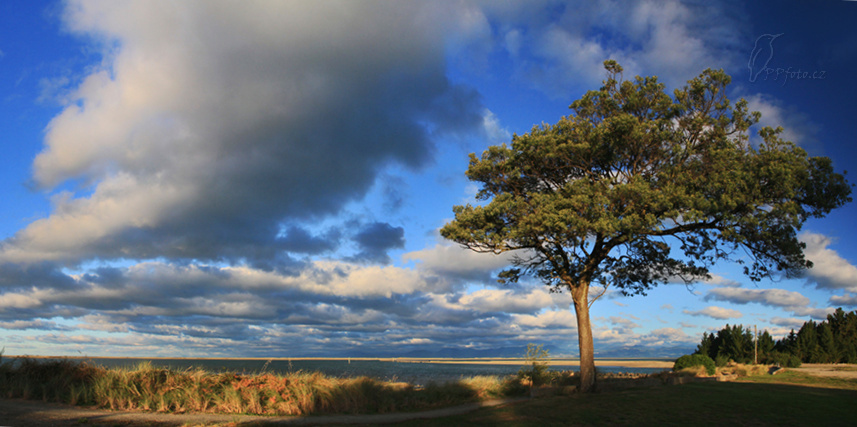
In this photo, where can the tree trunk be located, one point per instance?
(580, 295)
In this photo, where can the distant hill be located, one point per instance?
(473, 353)
(618, 352)
(454, 352)
(642, 352)
(626, 352)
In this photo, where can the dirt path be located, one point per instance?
(29, 413)
(828, 370)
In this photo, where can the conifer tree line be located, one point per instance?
(831, 341)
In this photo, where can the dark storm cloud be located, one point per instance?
(375, 239)
(40, 275)
(299, 240)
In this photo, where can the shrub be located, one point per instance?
(787, 360)
(691, 360)
(721, 360)
(536, 369)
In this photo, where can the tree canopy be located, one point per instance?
(609, 192)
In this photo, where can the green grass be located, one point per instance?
(696, 404)
(788, 399)
(803, 379)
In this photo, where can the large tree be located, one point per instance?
(636, 188)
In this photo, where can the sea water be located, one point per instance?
(419, 373)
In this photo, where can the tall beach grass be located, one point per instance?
(149, 388)
(146, 387)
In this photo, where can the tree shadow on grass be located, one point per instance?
(698, 404)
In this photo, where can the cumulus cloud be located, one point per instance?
(664, 336)
(847, 300)
(772, 297)
(717, 280)
(563, 319)
(815, 313)
(623, 322)
(715, 312)
(795, 302)
(209, 124)
(452, 260)
(262, 311)
(199, 174)
(830, 270)
(509, 301)
(788, 322)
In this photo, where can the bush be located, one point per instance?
(786, 360)
(536, 370)
(691, 360)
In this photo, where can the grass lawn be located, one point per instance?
(800, 378)
(753, 403)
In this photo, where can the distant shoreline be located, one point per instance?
(625, 363)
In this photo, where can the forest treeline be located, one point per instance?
(831, 341)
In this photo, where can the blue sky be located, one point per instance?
(208, 178)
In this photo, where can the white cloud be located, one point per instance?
(209, 124)
(788, 322)
(563, 319)
(664, 335)
(717, 280)
(816, 313)
(715, 312)
(772, 297)
(623, 322)
(12, 300)
(452, 260)
(797, 127)
(615, 336)
(487, 300)
(338, 278)
(494, 130)
(847, 300)
(119, 202)
(830, 270)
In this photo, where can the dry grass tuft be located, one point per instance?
(741, 370)
(693, 371)
(149, 388)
